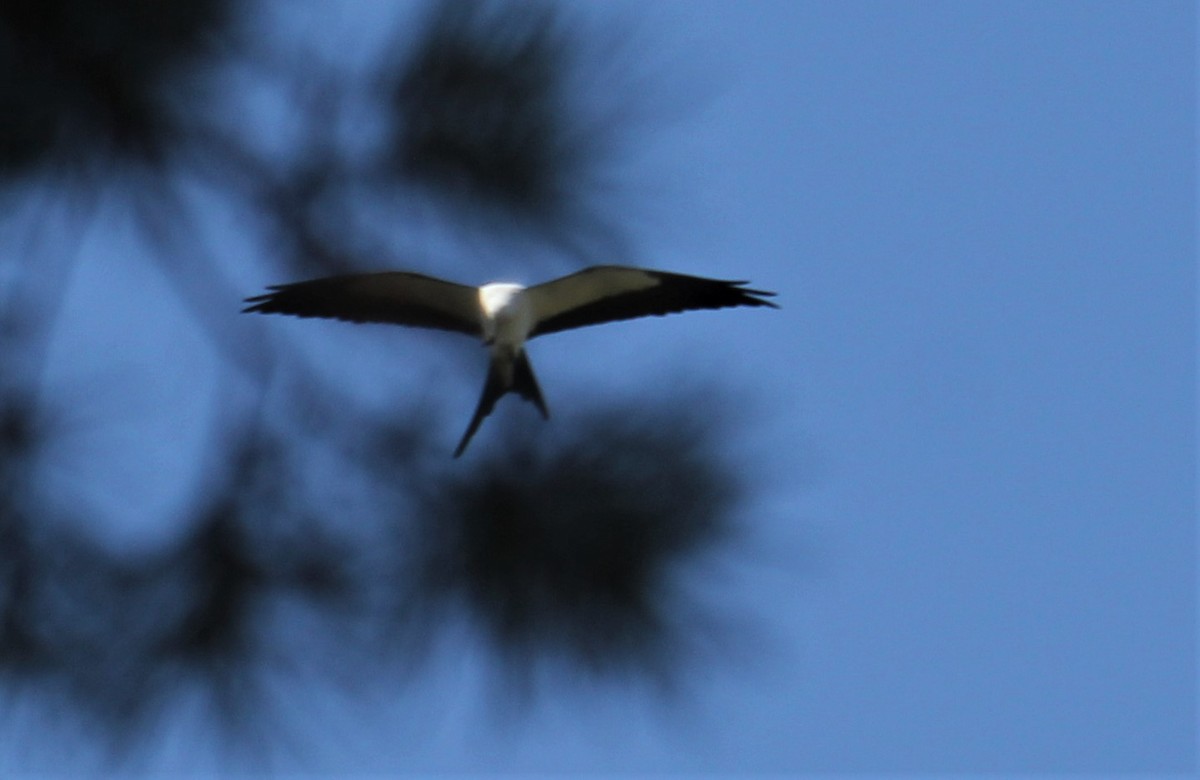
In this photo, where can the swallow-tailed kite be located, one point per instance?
(505, 315)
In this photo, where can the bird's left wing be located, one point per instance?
(395, 297)
(605, 293)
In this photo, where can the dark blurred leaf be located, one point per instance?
(567, 551)
(76, 626)
(479, 105)
(86, 79)
(483, 116)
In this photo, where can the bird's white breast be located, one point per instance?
(507, 314)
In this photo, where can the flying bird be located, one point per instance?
(504, 315)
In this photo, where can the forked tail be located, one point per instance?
(523, 384)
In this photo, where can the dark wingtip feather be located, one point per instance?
(753, 297)
(262, 303)
(744, 296)
(258, 304)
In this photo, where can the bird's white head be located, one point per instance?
(507, 315)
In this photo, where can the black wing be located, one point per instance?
(607, 293)
(393, 297)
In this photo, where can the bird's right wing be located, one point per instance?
(395, 297)
(607, 293)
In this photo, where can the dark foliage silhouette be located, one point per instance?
(479, 107)
(483, 112)
(91, 81)
(563, 549)
(567, 551)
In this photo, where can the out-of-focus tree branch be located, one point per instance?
(570, 553)
(564, 551)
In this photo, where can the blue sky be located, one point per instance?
(981, 218)
(971, 427)
(988, 214)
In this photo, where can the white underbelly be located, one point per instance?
(508, 316)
